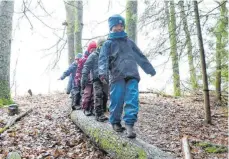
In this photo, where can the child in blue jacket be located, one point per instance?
(71, 72)
(121, 57)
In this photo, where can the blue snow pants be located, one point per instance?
(124, 95)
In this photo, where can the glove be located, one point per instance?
(61, 78)
(153, 73)
(103, 80)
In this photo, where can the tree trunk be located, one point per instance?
(203, 65)
(131, 19)
(6, 20)
(192, 70)
(70, 7)
(78, 26)
(218, 68)
(117, 145)
(221, 34)
(173, 44)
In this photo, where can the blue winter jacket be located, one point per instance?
(121, 56)
(71, 71)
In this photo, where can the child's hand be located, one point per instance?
(153, 73)
(103, 80)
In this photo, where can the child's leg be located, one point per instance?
(75, 98)
(78, 96)
(117, 92)
(105, 97)
(131, 102)
(86, 97)
(98, 101)
(91, 101)
(98, 95)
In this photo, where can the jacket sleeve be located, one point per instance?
(69, 71)
(79, 71)
(142, 61)
(103, 63)
(87, 67)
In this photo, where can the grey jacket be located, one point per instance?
(91, 66)
(122, 56)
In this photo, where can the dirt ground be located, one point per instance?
(164, 121)
(47, 131)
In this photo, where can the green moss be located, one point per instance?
(211, 148)
(215, 149)
(5, 98)
(122, 149)
(5, 102)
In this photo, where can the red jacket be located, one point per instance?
(79, 70)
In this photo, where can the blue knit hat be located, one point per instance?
(116, 19)
(78, 56)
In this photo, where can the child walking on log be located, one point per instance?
(100, 90)
(121, 57)
(72, 88)
(87, 97)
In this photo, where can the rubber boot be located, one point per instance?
(101, 118)
(130, 131)
(118, 127)
(88, 113)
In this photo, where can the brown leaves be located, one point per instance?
(164, 121)
(47, 132)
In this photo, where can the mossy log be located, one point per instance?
(116, 144)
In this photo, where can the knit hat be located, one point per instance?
(78, 56)
(115, 20)
(91, 46)
(100, 42)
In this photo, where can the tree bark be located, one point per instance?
(192, 70)
(70, 7)
(221, 34)
(6, 20)
(131, 19)
(173, 44)
(203, 65)
(116, 144)
(78, 26)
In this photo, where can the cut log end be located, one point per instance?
(186, 148)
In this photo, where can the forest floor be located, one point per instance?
(47, 132)
(163, 121)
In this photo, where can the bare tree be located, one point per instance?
(221, 33)
(203, 64)
(70, 22)
(6, 21)
(192, 71)
(131, 19)
(78, 26)
(173, 43)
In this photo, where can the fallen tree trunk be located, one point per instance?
(186, 148)
(116, 144)
(14, 119)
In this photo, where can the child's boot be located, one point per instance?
(101, 118)
(130, 131)
(118, 127)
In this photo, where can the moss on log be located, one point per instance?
(116, 144)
